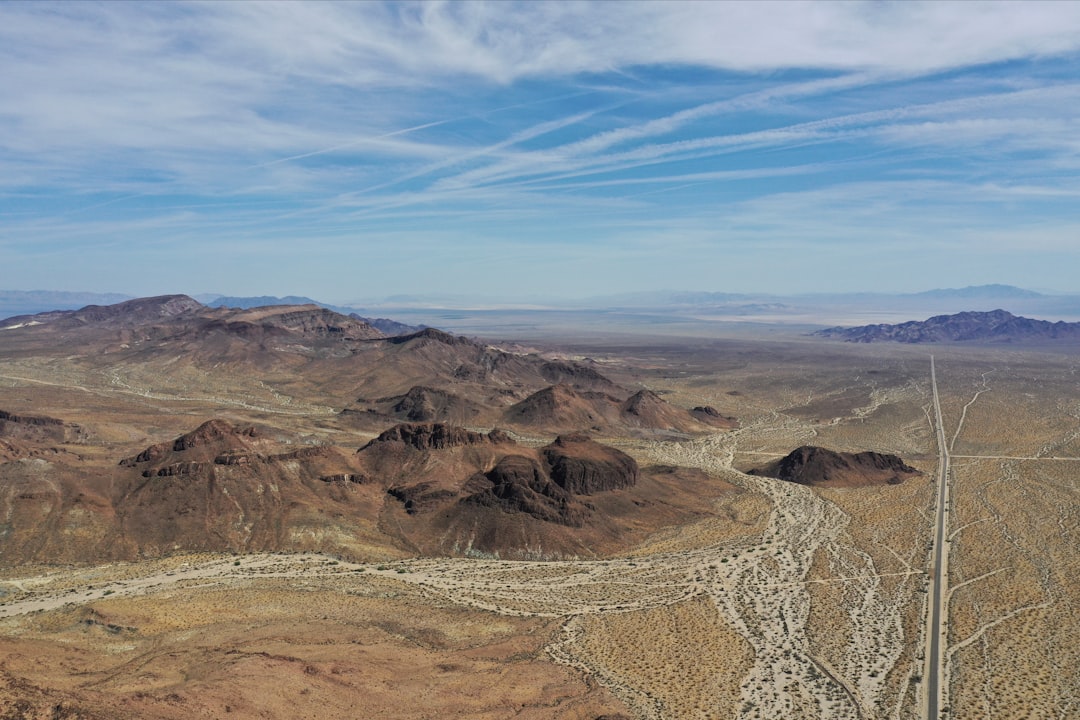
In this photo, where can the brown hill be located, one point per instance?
(712, 417)
(560, 407)
(224, 487)
(130, 312)
(563, 407)
(38, 428)
(417, 488)
(420, 404)
(817, 466)
(302, 351)
(26, 436)
(486, 494)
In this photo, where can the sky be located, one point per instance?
(542, 150)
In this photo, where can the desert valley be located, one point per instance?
(285, 512)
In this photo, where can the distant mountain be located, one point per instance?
(390, 327)
(129, 312)
(266, 300)
(383, 325)
(29, 302)
(995, 326)
(979, 292)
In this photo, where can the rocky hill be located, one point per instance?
(416, 488)
(996, 326)
(560, 408)
(820, 467)
(459, 492)
(319, 353)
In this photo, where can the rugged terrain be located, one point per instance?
(192, 526)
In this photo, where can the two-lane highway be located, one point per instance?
(937, 685)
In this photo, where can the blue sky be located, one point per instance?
(538, 150)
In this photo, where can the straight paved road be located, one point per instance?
(940, 571)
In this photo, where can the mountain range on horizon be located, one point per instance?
(941, 300)
(996, 326)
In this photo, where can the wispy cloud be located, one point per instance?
(300, 127)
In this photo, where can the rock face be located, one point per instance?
(583, 467)
(520, 485)
(996, 326)
(38, 428)
(818, 466)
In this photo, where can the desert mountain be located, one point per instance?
(172, 345)
(417, 487)
(461, 492)
(179, 317)
(435, 376)
(389, 327)
(560, 407)
(420, 404)
(383, 325)
(996, 326)
(820, 467)
(23, 302)
(139, 311)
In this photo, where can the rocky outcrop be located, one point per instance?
(426, 404)
(221, 435)
(388, 327)
(421, 497)
(818, 466)
(583, 467)
(426, 467)
(38, 420)
(437, 436)
(432, 335)
(711, 416)
(521, 484)
(576, 374)
(39, 429)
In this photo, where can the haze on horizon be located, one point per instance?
(361, 150)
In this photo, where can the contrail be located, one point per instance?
(357, 142)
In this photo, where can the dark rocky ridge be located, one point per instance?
(520, 484)
(27, 419)
(435, 335)
(583, 467)
(818, 466)
(996, 326)
(38, 428)
(544, 484)
(437, 436)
